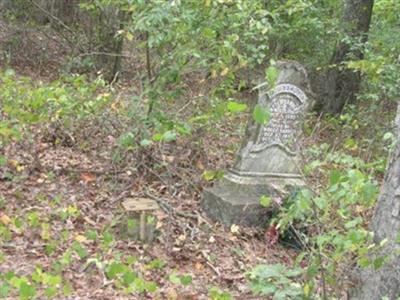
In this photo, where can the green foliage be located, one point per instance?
(156, 264)
(180, 279)
(24, 102)
(261, 115)
(235, 107)
(276, 281)
(210, 175)
(265, 201)
(271, 75)
(64, 102)
(380, 64)
(128, 280)
(219, 39)
(28, 287)
(216, 294)
(334, 214)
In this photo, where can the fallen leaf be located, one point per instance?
(159, 224)
(5, 219)
(172, 295)
(235, 229)
(199, 266)
(272, 235)
(168, 158)
(88, 177)
(224, 72)
(90, 221)
(20, 168)
(80, 238)
(13, 162)
(200, 165)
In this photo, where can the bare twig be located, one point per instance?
(105, 54)
(210, 264)
(169, 208)
(74, 44)
(52, 16)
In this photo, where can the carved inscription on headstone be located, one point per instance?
(286, 106)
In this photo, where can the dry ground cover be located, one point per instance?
(66, 218)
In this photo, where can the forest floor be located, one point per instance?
(66, 215)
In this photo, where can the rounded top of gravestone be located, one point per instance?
(292, 72)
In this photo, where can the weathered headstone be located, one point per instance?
(268, 163)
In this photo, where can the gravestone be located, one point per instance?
(268, 163)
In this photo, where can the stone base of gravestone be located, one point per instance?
(236, 199)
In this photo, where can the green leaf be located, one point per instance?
(264, 288)
(355, 176)
(132, 224)
(334, 177)
(157, 137)
(364, 262)
(51, 292)
(114, 269)
(321, 202)
(26, 291)
(81, 251)
(174, 278)
(186, 280)
(304, 204)
(91, 235)
(108, 238)
(267, 271)
(127, 140)
(151, 286)
(129, 277)
(397, 240)
(388, 136)
(66, 258)
(235, 107)
(145, 143)
(378, 262)
(211, 175)
(169, 136)
(353, 223)
(3, 160)
(370, 192)
(156, 264)
(261, 115)
(130, 259)
(53, 280)
(9, 73)
(4, 290)
(67, 289)
(293, 272)
(216, 294)
(265, 201)
(307, 194)
(271, 75)
(313, 270)
(350, 143)
(306, 290)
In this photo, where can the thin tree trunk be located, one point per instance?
(341, 83)
(111, 43)
(385, 282)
